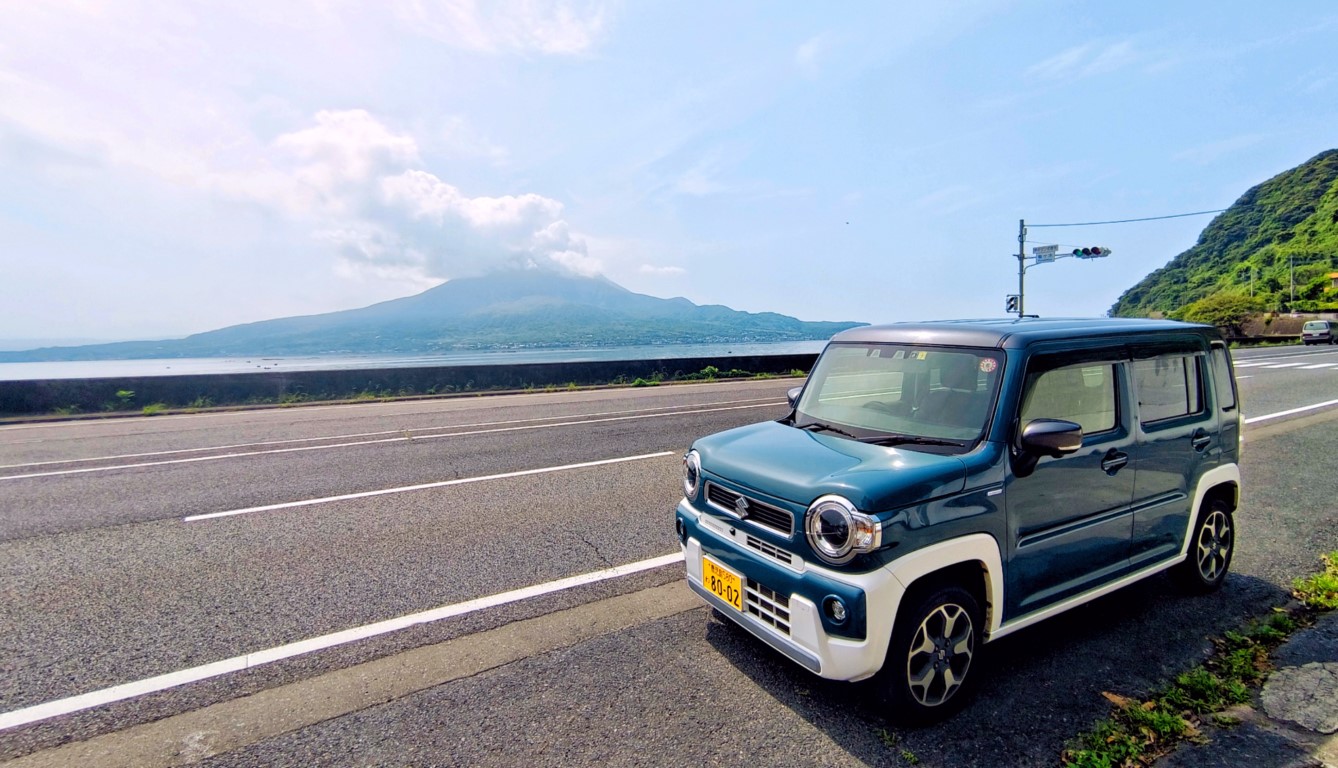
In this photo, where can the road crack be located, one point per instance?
(595, 548)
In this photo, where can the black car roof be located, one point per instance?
(1014, 332)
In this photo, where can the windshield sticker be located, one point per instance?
(988, 364)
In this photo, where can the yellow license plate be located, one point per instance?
(722, 582)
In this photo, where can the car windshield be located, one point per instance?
(896, 394)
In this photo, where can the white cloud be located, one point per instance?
(650, 269)
(463, 140)
(1087, 60)
(498, 26)
(807, 56)
(1210, 152)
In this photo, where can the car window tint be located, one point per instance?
(1168, 386)
(1084, 394)
(1222, 384)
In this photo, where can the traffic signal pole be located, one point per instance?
(1021, 267)
(1043, 254)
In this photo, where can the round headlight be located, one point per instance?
(692, 474)
(837, 532)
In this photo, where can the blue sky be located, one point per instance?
(175, 167)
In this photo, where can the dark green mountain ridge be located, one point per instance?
(1290, 219)
(504, 310)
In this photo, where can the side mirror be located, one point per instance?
(1051, 437)
(793, 396)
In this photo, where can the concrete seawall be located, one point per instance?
(46, 396)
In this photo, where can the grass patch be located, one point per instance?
(1320, 591)
(1137, 732)
(153, 409)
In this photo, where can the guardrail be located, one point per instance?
(153, 393)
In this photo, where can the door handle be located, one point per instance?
(1114, 461)
(1200, 440)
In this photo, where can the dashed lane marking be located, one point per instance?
(422, 486)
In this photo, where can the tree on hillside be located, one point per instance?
(1224, 309)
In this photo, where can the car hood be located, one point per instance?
(799, 466)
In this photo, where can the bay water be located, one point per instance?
(96, 369)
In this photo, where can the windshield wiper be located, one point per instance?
(818, 426)
(910, 440)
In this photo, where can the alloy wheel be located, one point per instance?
(940, 654)
(1214, 545)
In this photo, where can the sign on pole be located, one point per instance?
(1045, 253)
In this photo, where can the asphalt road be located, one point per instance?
(107, 577)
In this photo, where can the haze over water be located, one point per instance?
(188, 366)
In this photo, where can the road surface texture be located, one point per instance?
(493, 581)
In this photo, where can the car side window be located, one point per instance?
(1083, 393)
(1168, 386)
(1222, 380)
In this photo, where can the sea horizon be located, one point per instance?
(193, 366)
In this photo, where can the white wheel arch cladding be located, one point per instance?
(976, 547)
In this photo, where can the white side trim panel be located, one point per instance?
(1076, 600)
(1227, 473)
(977, 547)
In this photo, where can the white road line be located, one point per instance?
(1302, 409)
(1251, 365)
(303, 448)
(1283, 365)
(1242, 378)
(420, 432)
(131, 690)
(422, 486)
(1321, 365)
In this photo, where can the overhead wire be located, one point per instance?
(1131, 220)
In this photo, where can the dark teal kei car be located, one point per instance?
(937, 486)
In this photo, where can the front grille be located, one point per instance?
(775, 553)
(768, 605)
(758, 512)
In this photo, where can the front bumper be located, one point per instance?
(810, 640)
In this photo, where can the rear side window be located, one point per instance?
(1168, 386)
(1084, 394)
(1223, 384)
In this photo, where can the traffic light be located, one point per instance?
(1010, 303)
(1093, 252)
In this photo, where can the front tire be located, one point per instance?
(933, 661)
(1212, 544)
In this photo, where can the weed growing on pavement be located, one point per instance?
(153, 409)
(1138, 732)
(1320, 591)
(889, 739)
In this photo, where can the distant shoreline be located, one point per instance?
(154, 394)
(100, 369)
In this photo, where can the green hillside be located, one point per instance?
(1245, 256)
